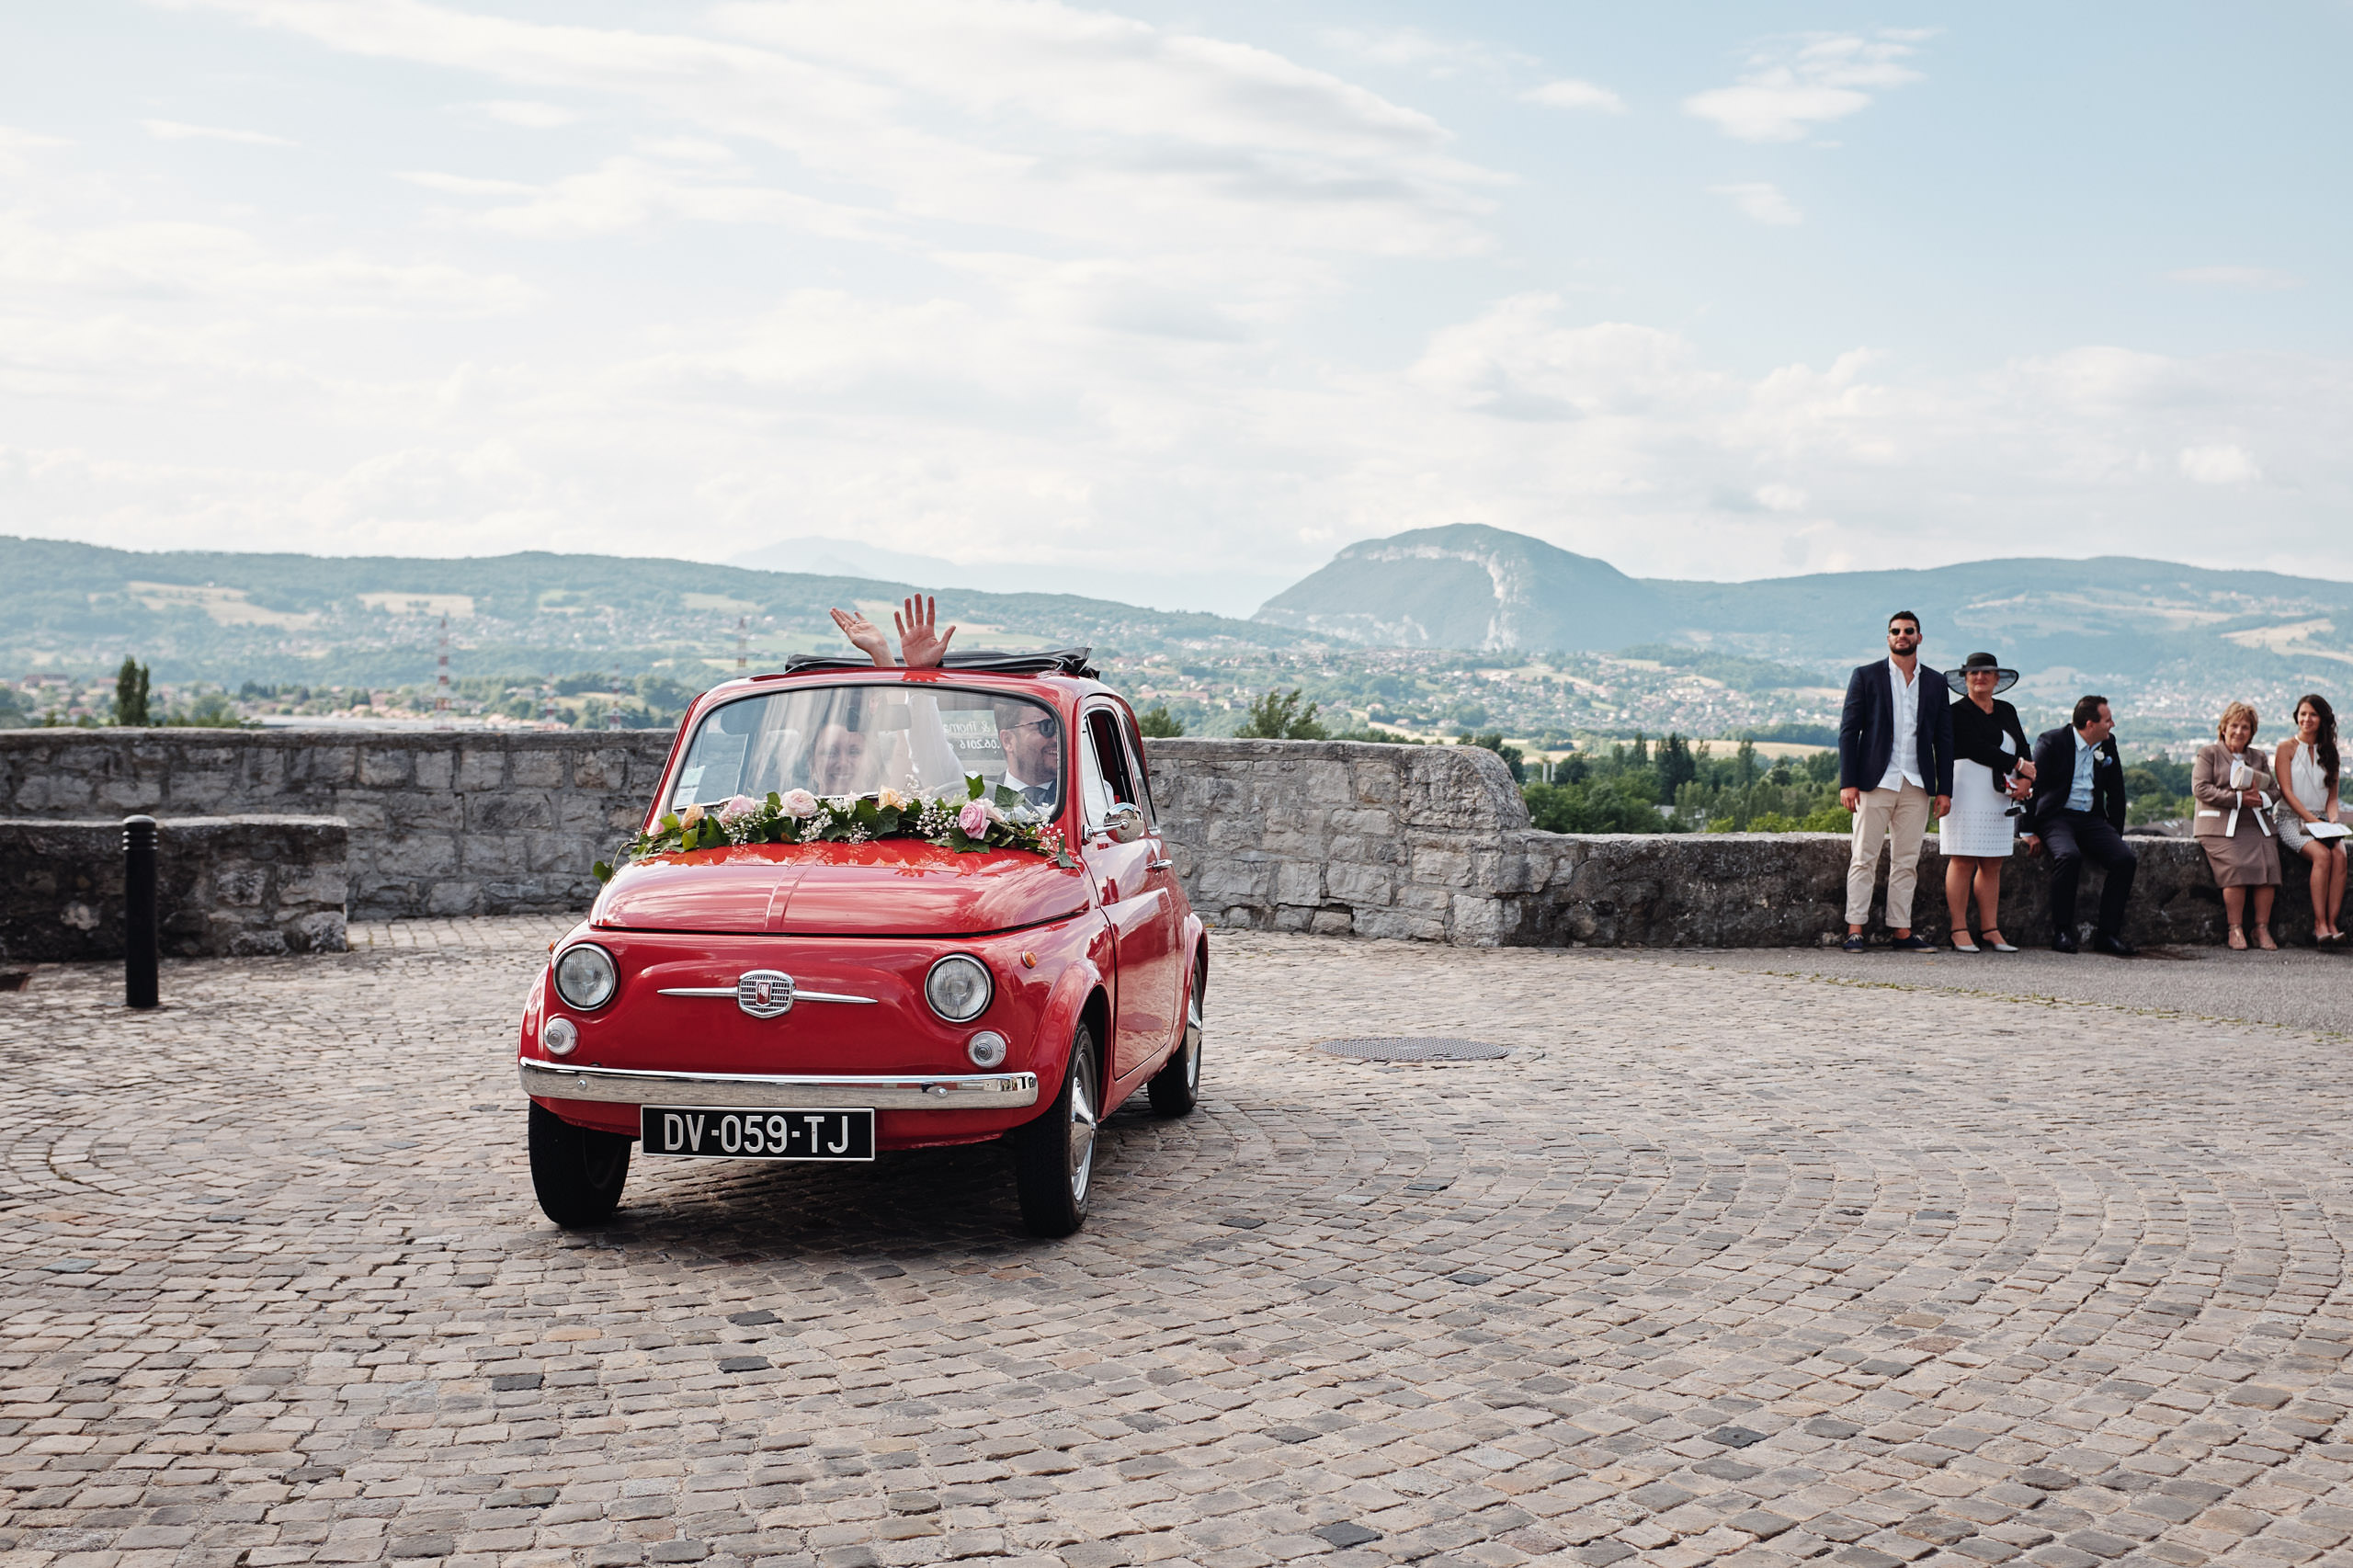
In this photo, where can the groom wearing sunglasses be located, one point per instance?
(1033, 767)
(1894, 773)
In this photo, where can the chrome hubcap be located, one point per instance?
(1082, 1133)
(1192, 1043)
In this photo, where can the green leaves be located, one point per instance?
(858, 820)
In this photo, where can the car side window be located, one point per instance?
(1106, 782)
(1094, 790)
(1142, 773)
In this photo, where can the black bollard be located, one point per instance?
(140, 937)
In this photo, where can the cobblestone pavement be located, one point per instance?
(2300, 988)
(1714, 1265)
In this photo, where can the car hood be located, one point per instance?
(892, 888)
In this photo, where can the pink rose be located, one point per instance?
(800, 803)
(736, 808)
(973, 818)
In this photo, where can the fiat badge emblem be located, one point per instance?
(765, 993)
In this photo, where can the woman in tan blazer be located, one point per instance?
(2235, 790)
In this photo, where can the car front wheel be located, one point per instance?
(1054, 1161)
(576, 1171)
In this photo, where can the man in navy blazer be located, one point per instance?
(2078, 812)
(1894, 772)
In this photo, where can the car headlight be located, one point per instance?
(959, 988)
(585, 977)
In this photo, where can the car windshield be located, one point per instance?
(854, 739)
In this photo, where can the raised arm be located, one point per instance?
(867, 636)
(922, 645)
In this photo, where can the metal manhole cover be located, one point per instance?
(1414, 1049)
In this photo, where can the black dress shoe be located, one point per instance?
(2114, 947)
(2064, 942)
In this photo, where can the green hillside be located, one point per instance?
(229, 616)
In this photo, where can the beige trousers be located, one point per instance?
(1901, 817)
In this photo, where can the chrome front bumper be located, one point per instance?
(752, 1091)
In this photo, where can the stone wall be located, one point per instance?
(225, 887)
(1428, 843)
(441, 821)
(1433, 843)
(1337, 836)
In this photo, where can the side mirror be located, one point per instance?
(1123, 822)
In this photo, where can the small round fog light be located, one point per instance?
(559, 1036)
(987, 1049)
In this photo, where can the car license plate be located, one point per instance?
(715, 1132)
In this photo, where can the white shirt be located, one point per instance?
(1013, 782)
(1903, 761)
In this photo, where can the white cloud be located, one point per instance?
(2262, 278)
(175, 131)
(465, 185)
(1781, 497)
(1762, 200)
(1572, 94)
(2223, 463)
(185, 261)
(1793, 85)
(631, 192)
(529, 113)
(1412, 47)
(1058, 122)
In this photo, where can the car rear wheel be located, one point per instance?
(1054, 1161)
(1175, 1089)
(576, 1172)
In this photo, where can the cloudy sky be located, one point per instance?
(1174, 301)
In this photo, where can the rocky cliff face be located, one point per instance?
(1469, 586)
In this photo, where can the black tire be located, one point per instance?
(576, 1172)
(1175, 1089)
(1053, 1158)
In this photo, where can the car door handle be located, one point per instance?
(1158, 865)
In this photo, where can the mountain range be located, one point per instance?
(2063, 620)
(2163, 629)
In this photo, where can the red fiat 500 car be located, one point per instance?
(876, 909)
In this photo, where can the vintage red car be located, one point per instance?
(920, 906)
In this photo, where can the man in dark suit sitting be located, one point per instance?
(2078, 811)
(1894, 773)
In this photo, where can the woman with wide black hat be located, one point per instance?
(1990, 776)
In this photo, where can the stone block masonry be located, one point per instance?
(1434, 844)
(1425, 843)
(227, 887)
(441, 821)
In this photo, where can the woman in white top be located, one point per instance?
(2306, 769)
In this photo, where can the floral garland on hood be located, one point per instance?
(983, 819)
